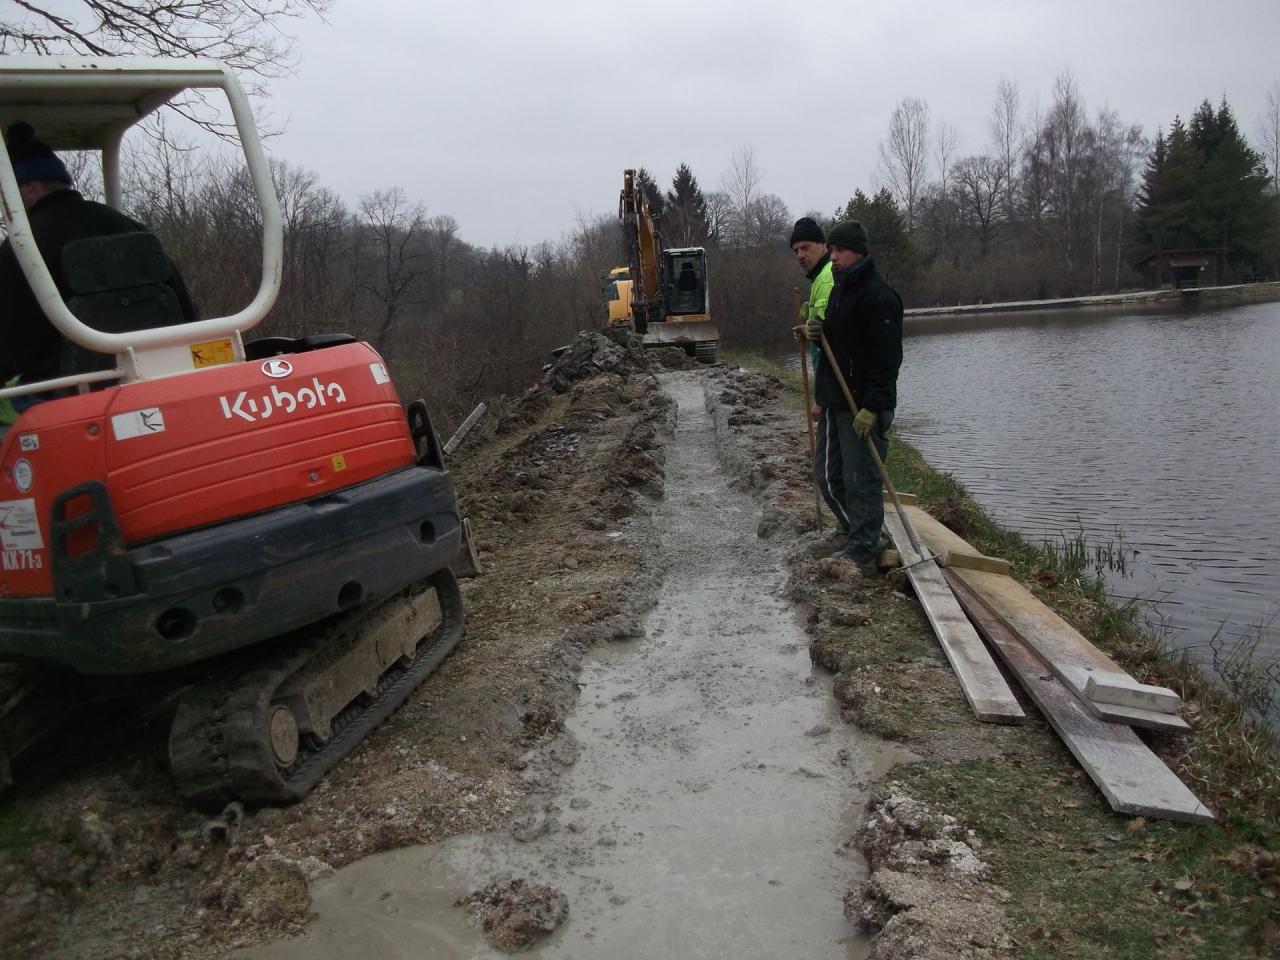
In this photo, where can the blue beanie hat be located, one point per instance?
(33, 160)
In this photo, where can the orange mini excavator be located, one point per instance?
(261, 520)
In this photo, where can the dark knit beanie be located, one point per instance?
(32, 159)
(806, 228)
(850, 234)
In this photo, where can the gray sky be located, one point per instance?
(517, 117)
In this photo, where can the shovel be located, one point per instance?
(808, 406)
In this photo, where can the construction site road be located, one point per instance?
(713, 783)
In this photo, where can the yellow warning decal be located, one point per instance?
(212, 353)
(338, 461)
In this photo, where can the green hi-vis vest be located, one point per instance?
(816, 305)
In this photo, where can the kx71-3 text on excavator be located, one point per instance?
(262, 518)
(661, 294)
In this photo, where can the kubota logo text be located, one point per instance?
(260, 408)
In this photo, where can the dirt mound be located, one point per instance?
(591, 354)
(514, 913)
(928, 895)
(673, 358)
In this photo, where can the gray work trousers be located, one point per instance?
(848, 479)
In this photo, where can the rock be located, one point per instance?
(94, 837)
(514, 913)
(838, 569)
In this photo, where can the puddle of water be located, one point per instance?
(714, 787)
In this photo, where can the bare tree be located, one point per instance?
(1268, 133)
(946, 141)
(769, 221)
(390, 227)
(250, 37)
(904, 156)
(741, 185)
(1005, 126)
(979, 191)
(1061, 160)
(1269, 138)
(1118, 152)
(443, 244)
(719, 216)
(315, 292)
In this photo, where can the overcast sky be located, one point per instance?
(518, 117)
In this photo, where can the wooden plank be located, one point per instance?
(1140, 695)
(908, 499)
(976, 561)
(1071, 657)
(1132, 778)
(938, 537)
(984, 687)
(461, 433)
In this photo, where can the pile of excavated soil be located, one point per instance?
(929, 895)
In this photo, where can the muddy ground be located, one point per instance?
(99, 858)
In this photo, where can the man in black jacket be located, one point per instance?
(863, 325)
(58, 215)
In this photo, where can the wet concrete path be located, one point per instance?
(714, 784)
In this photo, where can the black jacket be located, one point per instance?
(864, 327)
(33, 345)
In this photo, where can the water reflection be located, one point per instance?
(1160, 427)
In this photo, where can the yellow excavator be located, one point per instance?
(662, 294)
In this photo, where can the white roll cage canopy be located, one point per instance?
(89, 103)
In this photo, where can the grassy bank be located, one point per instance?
(1082, 881)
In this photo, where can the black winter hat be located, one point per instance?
(806, 228)
(850, 234)
(32, 159)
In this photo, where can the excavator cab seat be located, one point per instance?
(116, 284)
(686, 294)
(265, 347)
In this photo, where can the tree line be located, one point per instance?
(1061, 203)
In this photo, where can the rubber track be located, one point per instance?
(219, 748)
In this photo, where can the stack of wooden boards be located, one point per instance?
(1089, 699)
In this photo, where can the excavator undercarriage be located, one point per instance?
(265, 732)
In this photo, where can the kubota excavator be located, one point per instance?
(262, 520)
(661, 294)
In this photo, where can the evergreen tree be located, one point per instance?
(1204, 187)
(886, 233)
(687, 223)
(645, 183)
